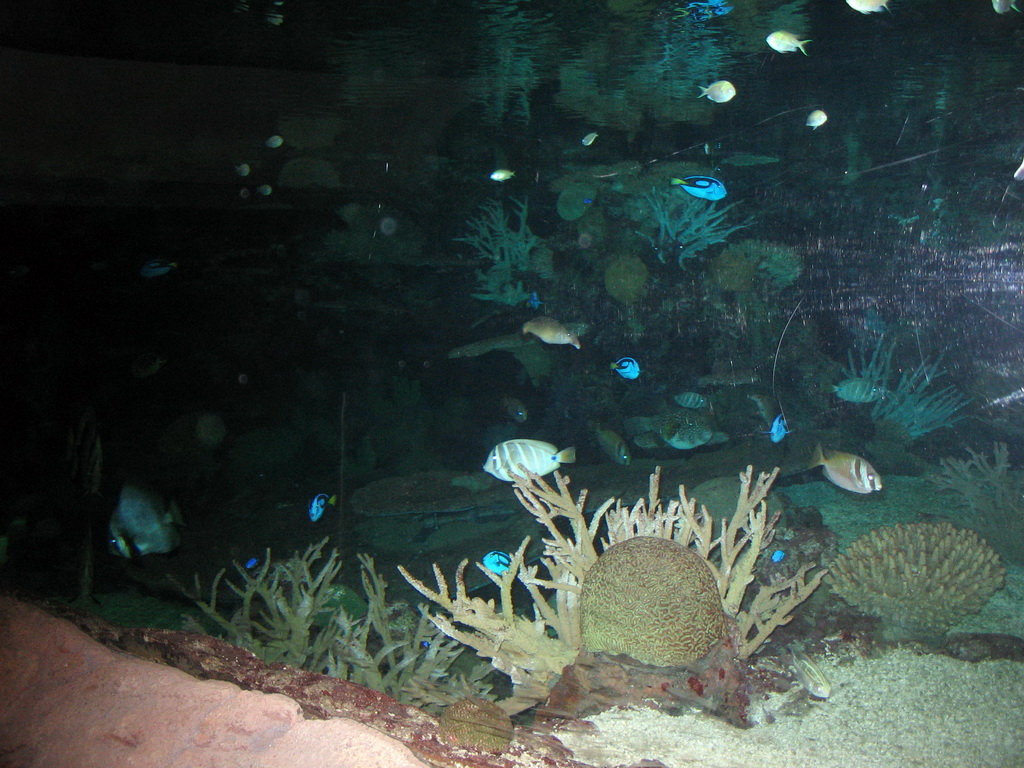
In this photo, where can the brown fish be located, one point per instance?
(514, 409)
(846, 470)
(550, 331)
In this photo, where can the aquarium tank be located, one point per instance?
(619, 383)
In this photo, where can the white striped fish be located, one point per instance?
(537, 456)
(847, 470)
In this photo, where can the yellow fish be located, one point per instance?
(550, 331)
(719, 91)
(868, 6)
(850, 472)
(502, 174)
(816, 119)
(613, 445)
(786, 42)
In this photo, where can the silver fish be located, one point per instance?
(858, 390)
(143, 523)
(810, 676)
(691, 400)
(537, 456)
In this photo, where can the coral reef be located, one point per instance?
(293, 613)
(920, 579)
(652, 599)
(686, 225)
(533, 651)
(992, 496)
(513, 252)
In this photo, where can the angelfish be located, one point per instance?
(848, 471)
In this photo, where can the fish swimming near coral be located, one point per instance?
(809, 675)
(319, 503)
(613, 445)
(683, 430)
(778, 430)
(537, 456)
(848, 471)
(143, 523)
(705, 187)
(550, 331)
(858, 390)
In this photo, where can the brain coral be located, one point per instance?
(652, 599)
(625, 279)
(920, 579)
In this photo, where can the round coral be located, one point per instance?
(652, 599)
(920, 579)
(625, 279)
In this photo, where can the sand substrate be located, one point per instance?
(900, 710)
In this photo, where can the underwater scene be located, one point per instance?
(619, 383)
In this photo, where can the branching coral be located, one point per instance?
(290, 612)
(993, 497)
(687, 226)
(511, 251)
(533, 651)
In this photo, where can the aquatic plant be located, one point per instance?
(916, 405)
(920, 579)
(533, 650)
(992, 497)
(294, 612)
(687, 226)
(508, 248)
(875, 369)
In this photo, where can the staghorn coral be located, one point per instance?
(514, 253)
(992, 497)
(687, 226)
(652, 599)
(532, 651)
(920, 579)
(293, 613)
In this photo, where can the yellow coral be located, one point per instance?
(920, 579)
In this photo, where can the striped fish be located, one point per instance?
(537, 456)
(846, 470)
(691, 400)
(858, 390)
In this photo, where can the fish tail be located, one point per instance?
(566, 456)
(818, 457)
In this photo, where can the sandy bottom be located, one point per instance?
(900, 710)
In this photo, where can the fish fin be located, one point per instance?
(817, 458)
(173, 514)
(566, 455)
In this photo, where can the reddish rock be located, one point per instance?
(69, 701)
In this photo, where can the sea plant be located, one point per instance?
(510, 248)
(687, 226)
(294, 612)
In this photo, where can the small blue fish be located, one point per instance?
(626, 367)
(779, 429)
(498, 562)
(534, 301)
(157, 267)
(778, 556)
(318, 504)
(252, 562)
(701, 186)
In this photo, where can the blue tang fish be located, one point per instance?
(157, 267)
(701, 186)
(318, 504)
(778, 556)
(497, 561)
(779, 429)
(626, 367)
(534, 301)
(701, 12)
